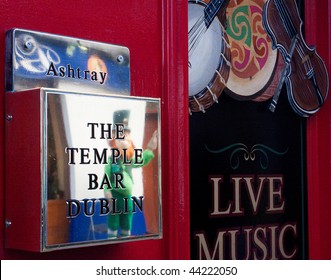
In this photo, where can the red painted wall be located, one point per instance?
(155, 33)
(318, 32)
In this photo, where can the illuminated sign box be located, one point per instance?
(82, 169)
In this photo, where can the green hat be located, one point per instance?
(122, 116)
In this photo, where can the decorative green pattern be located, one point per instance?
(239, 149)
(240, 28)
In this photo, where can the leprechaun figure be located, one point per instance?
(121, 223)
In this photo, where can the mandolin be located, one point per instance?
(304, 72)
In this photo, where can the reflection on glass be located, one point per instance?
(103, 162)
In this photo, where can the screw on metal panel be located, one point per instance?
(9, 117)
(28, 45)
(120, 58)
(8, 223)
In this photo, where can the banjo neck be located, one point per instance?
(211, 11)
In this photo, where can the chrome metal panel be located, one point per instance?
(96, 190)
(35, 59)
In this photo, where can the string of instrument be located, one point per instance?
(210, 63)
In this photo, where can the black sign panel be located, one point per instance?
(248, 181)
(248, 163)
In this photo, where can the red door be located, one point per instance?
(317, 33)
(154, 32)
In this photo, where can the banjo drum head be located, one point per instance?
(205, 48)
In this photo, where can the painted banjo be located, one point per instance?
(209, 53)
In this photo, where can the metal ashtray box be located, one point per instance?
(82, 169)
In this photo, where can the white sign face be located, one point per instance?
(102, 169)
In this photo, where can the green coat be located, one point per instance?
(125, 171)
(123, 221)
